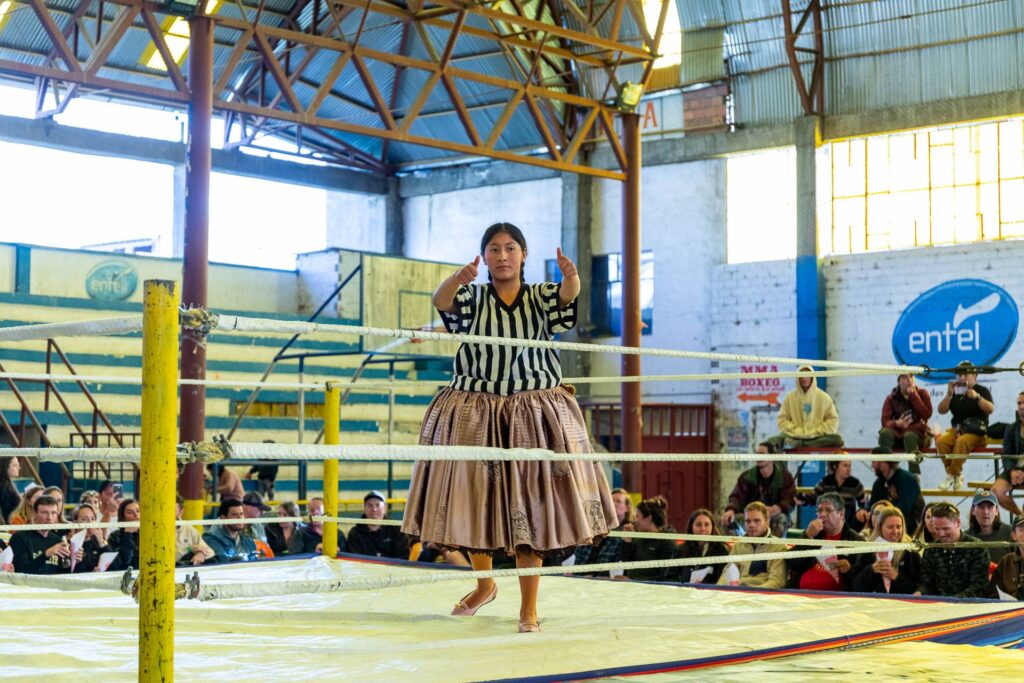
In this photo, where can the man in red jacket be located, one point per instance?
(905, 416)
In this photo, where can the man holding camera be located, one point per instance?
(971, 404)
(905, 416)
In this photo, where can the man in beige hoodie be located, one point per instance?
(807, 419)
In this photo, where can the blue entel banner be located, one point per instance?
(959, 320)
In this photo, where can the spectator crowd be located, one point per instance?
(888, 510)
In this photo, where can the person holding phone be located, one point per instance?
(905, 414)
(971, 404)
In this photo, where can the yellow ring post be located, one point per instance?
(332, 437)
(158, 472)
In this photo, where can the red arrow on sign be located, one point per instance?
(772, 399)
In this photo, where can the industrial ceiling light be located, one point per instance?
(629, 96)
(183, 8)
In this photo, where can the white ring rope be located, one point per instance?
(233, 323)
(268, 589)
(430, 385)
(198, 318)
(105, 582)
(75, 526)
(101, 327)
(411, 453)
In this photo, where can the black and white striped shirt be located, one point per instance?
(504, 370)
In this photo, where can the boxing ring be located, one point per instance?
(316, 618)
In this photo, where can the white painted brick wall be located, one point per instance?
(682, 214)
(754, 312)
(448, 226)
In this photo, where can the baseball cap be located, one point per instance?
(375, 494)
(984, 496)
(965, 364)
(1017, 523)
(256, 500)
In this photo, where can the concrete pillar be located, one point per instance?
(577, 191)
(394, 221)
(177, 247)
(810, 287)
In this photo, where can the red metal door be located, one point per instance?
(668, 428)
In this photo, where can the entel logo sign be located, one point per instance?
(958, 320)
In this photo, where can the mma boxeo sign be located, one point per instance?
(959, 320)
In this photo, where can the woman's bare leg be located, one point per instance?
(529, 586)
(482, 563)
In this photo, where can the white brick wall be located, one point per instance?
(682, 214)
(754, 312)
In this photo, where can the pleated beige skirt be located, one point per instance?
(485, 506)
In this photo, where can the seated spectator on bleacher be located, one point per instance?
(189, 546)
(91, 498)
(839, 480)
(905, 414)
(896, 486)
(608, 549)
(768, 482)
(1009, 574)
(892, 571)
(279, 534)
(228, 484)
(1012, 477)
(95, 540)
(26, 507)
(807, 418)
(125, 542)
(871, 523)
(374, 539)
(111, 496)
(254, 509)
(309, 539)
(952, 572)
(830, 525)
(758, 573)
(651, 517)
(971, 404)
(57, 494)
(985, 524)
(701, 523)
(228, 541)
(42, 552)
(266, 477)
(10, 469)
(924, 532)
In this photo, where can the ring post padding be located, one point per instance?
(158, 472)
(332, 437)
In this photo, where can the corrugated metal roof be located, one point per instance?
(700, 14)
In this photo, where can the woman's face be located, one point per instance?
(928, 521)
(94, 501)
(621, 501)
(702, 525)
(85, 514)
(14, 468)
(131, 514)
(843, 468)
(644, 523)
(35, 494)
(892, 529)
(504, 258)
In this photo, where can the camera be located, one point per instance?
(960, 388)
